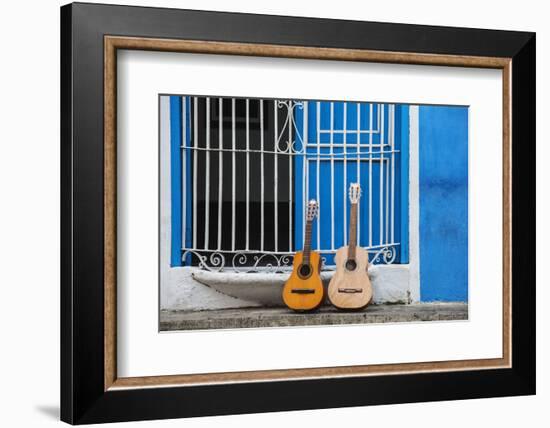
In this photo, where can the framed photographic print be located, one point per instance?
(265, 213)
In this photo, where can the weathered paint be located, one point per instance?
(265, 288)
(443, 181)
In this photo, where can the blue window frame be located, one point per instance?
(382, 133)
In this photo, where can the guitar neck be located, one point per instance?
(352, 232)
(307, 243)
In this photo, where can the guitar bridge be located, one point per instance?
(303, 290)
(350, 290)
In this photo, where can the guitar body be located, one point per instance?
(350, 289)
(304, 290)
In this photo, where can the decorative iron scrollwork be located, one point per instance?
(290, 145)
(247, 262)
(242, 262)
(215, 262)
(385, 255)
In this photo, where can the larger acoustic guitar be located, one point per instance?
(350, 287)
(304, 289)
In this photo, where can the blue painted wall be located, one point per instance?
(443, 181)
(402, 128)
(175, 179)
(180, 167)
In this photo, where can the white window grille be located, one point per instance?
(248, 158)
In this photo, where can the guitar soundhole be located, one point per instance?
(351, 265)
(304, 271)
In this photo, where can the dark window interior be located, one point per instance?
(240, 175)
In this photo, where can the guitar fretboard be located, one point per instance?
(307, 243)
(352, 232)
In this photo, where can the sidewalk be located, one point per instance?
(326, 315)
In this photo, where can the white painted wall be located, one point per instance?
(414, 206)
(29, 248)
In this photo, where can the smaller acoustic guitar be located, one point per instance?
(350, 287)
(304, 289)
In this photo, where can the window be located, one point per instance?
(243, 170)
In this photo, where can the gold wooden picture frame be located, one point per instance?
(114, 43)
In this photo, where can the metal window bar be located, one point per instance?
(359, 164)
(305, 181)
(376, 148)
(207, 178)
(381, 184)
(345, 179)
(184, 170)
(332, 176)
(233, 174)
(262, 179)
(220, 172)
(276, 178)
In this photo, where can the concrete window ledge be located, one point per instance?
(281, 317)
(191, 288)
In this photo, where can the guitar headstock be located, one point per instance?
(312, 210)
(354, 192)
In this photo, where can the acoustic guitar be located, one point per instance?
(350, 287)
(304, 289)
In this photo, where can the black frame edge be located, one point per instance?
(66, 315)
(524, 213)
(297, 30)
(83, 399)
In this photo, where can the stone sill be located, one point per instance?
(327, 315)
